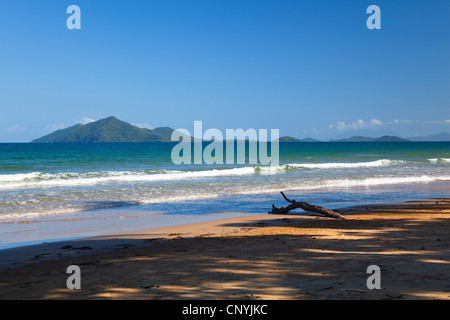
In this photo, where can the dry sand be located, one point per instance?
(253, 257)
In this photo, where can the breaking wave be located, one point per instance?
(66, 179)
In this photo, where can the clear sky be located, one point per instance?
(309, 68)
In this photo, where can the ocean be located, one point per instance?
(51, 192)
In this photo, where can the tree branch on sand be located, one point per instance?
(305, 206)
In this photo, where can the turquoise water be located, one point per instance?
(43, 185)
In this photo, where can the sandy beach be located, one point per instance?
(275, 257)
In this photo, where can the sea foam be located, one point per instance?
(70, 179)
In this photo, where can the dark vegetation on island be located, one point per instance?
(105, 130)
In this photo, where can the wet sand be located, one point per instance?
(293, 256)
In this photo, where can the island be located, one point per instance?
(107, 130)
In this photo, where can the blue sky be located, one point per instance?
(308, 68)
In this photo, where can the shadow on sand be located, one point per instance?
(312, 259)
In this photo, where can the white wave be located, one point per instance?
(68, 179)
(45, 211)
(18, 177)
(20, 216)
(92, 178)
(383, 181)
(334, 165)
(202, 194)
(327, 165)
(439, 160)
(269, 170)
(343, 183)
(179, 198)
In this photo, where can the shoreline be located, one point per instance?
(91, 223)
(73, 247)
(289, 248)
(31, 251)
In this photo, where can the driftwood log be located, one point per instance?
(305, 206)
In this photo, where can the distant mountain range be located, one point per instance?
(368, 139)
(109, 129)
(112, 129)
(443, 136)
(291, 139)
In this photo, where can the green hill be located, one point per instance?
(291, 139)
(391, 138)
(164, 132)
(58, 135)
(310, 140)
(288, 139)
(106, 130)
